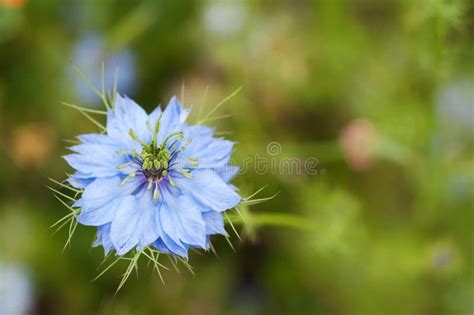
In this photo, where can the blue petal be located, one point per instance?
(161, 246)
(210, 152)
(150, 231)
(95, 168)
(181, 220)
(208, 189)
(96, 159)
(125, 230)
(214, 223)
(179, 249)
(227, 172)
(80, 180)
(126, 115)
(173, 117)
(154, 115)
(134, 224)
(99, 200)
(199, 131)
(166, 245)
(103, 238)
(98, 216)
(98, 138)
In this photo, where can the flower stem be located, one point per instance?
(275, 219)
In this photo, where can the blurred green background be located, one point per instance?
(379, 92)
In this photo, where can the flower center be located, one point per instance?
(157, 159)
(155, 162)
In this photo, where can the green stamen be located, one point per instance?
(186, 173)
(171, 181)
(121, 167)
(135, 138)
(131, 175)
(156, 193)
(150, 184)
(179, 135)
(155, 132)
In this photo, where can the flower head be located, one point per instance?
(153, 180)
(89, 50)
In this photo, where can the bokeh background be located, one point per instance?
(379, 92)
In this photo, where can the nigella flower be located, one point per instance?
(88, 52)
(153, 180)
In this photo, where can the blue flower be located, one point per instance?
(153, 180)
(89, 51)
